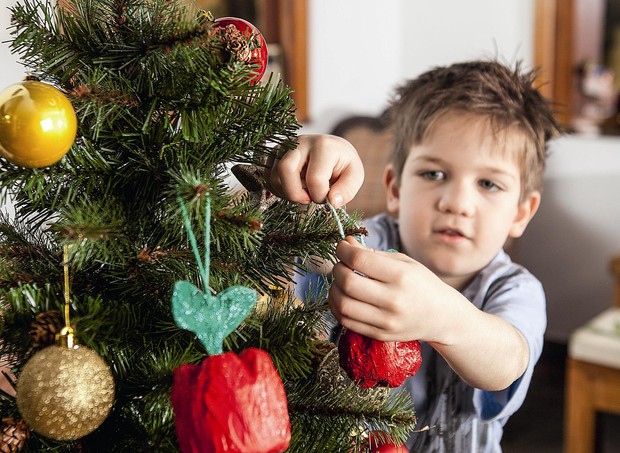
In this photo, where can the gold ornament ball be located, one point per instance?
(65, 393)
(37, 124)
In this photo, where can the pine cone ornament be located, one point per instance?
(237, 43)
(14, 433)
(44, 328)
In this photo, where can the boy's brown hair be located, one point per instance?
(505, 96)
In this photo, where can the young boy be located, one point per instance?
(465, 174)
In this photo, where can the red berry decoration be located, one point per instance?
(374, 363)
(378, 442)
(245, 41)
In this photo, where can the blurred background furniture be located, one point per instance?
(371, 138)
(593, 375)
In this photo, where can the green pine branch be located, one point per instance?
(331, 413)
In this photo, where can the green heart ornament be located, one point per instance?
(211, 318)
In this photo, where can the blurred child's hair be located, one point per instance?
(505, 97)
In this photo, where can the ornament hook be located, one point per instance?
(65, 337)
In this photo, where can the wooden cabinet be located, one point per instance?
(577, 46)
(553, 53)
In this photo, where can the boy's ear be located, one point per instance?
(526, 210)
(392, 190)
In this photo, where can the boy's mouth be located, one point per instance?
(451, 233)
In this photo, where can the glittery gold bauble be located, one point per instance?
(278, 299)
(65, 393)
(333, 380)
(37, 124)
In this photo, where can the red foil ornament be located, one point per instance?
(231, 403)
(259, 55)
(379, 443)
(374, 363)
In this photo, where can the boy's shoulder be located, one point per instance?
(503, 279)
(382, 232)
(502, 266)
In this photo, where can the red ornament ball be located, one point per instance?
(258, 54)
(231, 403)
(374, 363)
(379, 443)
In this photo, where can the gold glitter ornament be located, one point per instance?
(333, 380)
(65, 393)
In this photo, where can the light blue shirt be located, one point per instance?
(466, 419)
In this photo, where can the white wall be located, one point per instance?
(571, 239)
(11, 72)
(358, 51)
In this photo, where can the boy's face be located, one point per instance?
(458, 199)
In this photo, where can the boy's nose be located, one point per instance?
(457, 199)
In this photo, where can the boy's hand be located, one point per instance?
(395, 300)
(399, 299)
(320, 166)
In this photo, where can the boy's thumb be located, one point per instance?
(345, 188)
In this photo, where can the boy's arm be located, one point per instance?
(398, 299)
(486, 351)
(320, 166)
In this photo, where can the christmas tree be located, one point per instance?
(167, 100)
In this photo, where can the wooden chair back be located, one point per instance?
(371, 138)
(615, 271)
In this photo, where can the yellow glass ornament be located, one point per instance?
(37, 124)
(65, 393)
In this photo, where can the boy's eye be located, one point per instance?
(488, 185)
(433, 175)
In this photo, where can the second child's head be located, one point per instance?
(470, 142)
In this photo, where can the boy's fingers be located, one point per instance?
(349, 308)
(347, 184)
(284, 176)
(357, 287)
(352, 241)
(318, 175)
(319, 167)
(377, 265)
(291, 173)
(337, 174)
